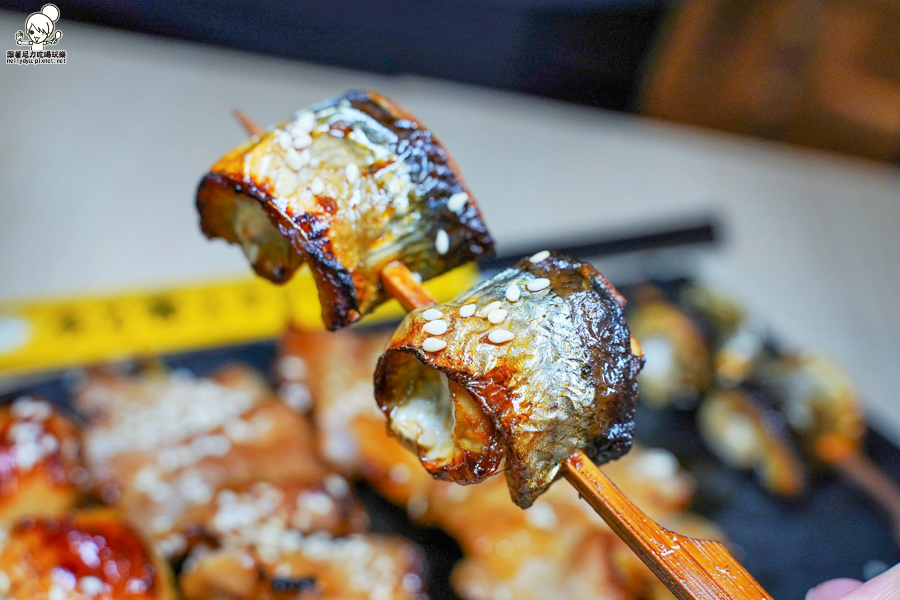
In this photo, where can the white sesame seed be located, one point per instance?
(467, 311)
(542, 255)
(301, 139)
(433, 345)
(437, 327)
(417, 276)
(291, 367)
(297, 396)
(400, 474)
(411, 583)
(442, 242)
(513, 292)
(541, 515)
(536, 285)
(306, 121)
(29, 408)
(91, 586)
(487, 309)
(352, 172)
(432, 314)
(292, 158)
(337, 486)
(284, 139)
(317, 187)
(457, 201)
(497, 315)
(56, 593)
(500, 336)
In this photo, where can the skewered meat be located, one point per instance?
(678, 367)
(746, 432)
(88, 555)
(559, 545)
(346, 186)
(168, 450)
(41, 472)
(358, 567)
(531, 365)
(820, 404)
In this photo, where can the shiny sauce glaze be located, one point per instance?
(97, 555)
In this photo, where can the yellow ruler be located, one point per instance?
(52, 334)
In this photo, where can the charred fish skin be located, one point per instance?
(551, 369)
(346, 186)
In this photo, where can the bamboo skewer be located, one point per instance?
(866, 476)
(691, 569)
(248, 124)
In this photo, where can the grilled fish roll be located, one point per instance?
(346, 186)
(745, 432)
(678, 368)
(532, 365)
(821, 406)
(41, 472)
(91, 554)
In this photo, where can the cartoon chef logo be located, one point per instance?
(39, 28)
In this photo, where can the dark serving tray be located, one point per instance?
(789, 546)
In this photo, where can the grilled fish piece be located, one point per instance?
(346, 186)
(532, 365)
(296, 567)
(679, 366)
(91, 554)
(41, 471)
(745, 431)
(175, 452)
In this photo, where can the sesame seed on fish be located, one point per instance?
(442, 242)
(433, 345)
(457, 201)
(438, 327)
(536, 285)
(432, 314)
(497, 315)
(487, 309)
(499, 336)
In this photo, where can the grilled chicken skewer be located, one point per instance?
(691, 569)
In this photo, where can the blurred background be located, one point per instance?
(751, 146)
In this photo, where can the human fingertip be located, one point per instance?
(833, 590)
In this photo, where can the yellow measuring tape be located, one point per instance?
(52, 334)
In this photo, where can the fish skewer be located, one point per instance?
(691, 569)
(346, 187)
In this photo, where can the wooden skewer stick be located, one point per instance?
(691, 569)
(850, 462)
(247, 123)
